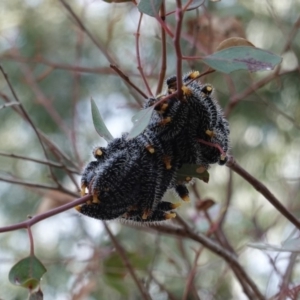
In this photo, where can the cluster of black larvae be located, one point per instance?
(129, 177)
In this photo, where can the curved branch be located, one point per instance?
(46, 215)
(261, 188)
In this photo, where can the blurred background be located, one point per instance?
(55, 69)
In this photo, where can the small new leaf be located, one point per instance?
(242, 58)
(99, 124)
(150, 7)
(27, 273)
(190, 170)
(140, 121)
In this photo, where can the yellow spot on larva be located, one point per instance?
(82, 191)
(146, 214)
(78, 208)
(223, 156)
(207, 89)
(210, 133)
(167, 162)
(186, 91)
(95, 199)
(165, 121)
(170, 216)
(150, 149)
(175, 205)
(185, 198)
(164, 106)
(98, 152)
(194, 74)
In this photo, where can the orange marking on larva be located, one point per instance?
(175, 205)
(185, 198)
(98, 152)
(186, 91)
(210, 133)
(171, 215)
(82, 190)
(150, 149)
(194, 74)
(146, 214)
(165, 121)
(78, 208)
(167, 162)
(95, 199)
(164, 106)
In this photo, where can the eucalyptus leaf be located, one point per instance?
(150, 7)
(99, 124)
(27, 272)
(192, 171)
(242, 58)
(140, 121)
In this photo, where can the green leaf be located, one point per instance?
(242, 58)
(192, 171)
(140, 121)
(99, 124)
(117, 284)
(113, 266)
(27, 272)
(138, 261)
(149, 7)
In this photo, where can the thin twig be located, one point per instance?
(50, 144)
(233, 165)
(127, 80)
(60, 66)
(98, 44)
(46, 215)
(76, 92)
(234, 100)
(228, 200)
(163, 288)
(138, 55)
(176, 41)
(26, 116)
(229, 257)
(248, 285)
(127, 264)
(9, 104)
(163, 66)
(287, 276)
(30, 240)
(192, 273)
(37, 185)
(39, 161)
